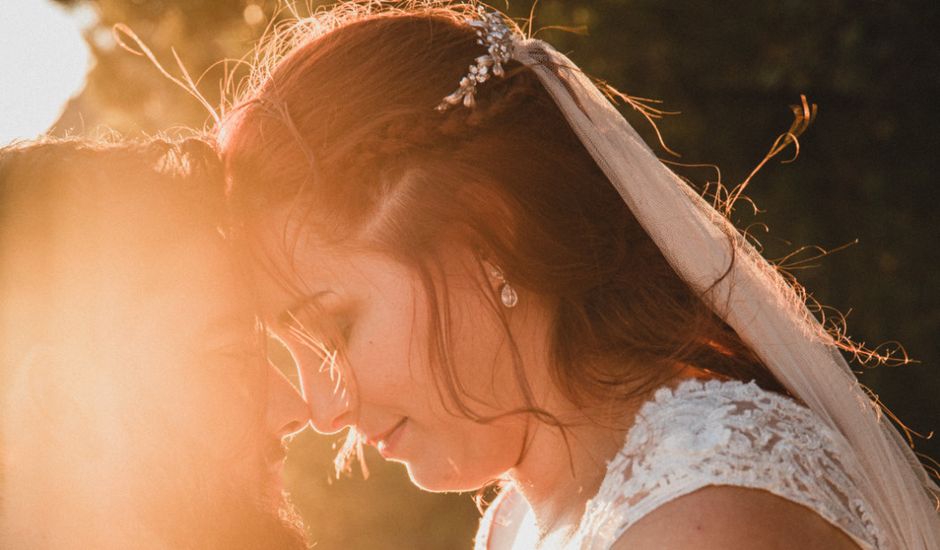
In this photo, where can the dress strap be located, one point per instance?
(481, 541)
(727, 433)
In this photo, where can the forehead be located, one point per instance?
(289, 263)
(289, 260)
(204, 274)
(192, 292)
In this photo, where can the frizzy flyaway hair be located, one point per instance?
(343, 126)
(338, 122)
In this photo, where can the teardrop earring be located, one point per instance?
(507, 294)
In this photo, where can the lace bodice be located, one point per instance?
(723, 433)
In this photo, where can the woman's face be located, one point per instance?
(384, 385)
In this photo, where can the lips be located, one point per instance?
(383, 439)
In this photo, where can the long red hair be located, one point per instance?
(344, 127)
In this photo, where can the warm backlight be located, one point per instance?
(43, 63)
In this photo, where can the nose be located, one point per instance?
(287, 411)
(329, 391)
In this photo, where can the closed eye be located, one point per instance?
(317, 315)
(345, 327)
(290, 316)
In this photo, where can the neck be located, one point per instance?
(563, 469)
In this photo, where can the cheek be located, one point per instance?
(482, 355)
(392, 358)
(388, 354)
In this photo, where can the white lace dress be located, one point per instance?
(720, 433)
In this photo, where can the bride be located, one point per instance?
(485, 273)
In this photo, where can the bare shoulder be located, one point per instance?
(723, 517)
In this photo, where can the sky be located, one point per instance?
(43, 63)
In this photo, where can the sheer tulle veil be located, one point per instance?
(751, 296)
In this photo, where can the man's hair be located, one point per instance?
(75, 210)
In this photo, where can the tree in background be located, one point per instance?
(867, 170)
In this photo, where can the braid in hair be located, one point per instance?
(403, 137)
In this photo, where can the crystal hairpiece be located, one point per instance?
(493, 33)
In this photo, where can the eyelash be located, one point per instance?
(345, 329)
(341, 322)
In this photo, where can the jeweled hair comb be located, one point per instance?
(493, 33)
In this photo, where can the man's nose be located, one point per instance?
(287, 411)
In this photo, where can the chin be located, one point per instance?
(448, 477)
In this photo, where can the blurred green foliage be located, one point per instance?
(867, 170)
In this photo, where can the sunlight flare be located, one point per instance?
(43, 60)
